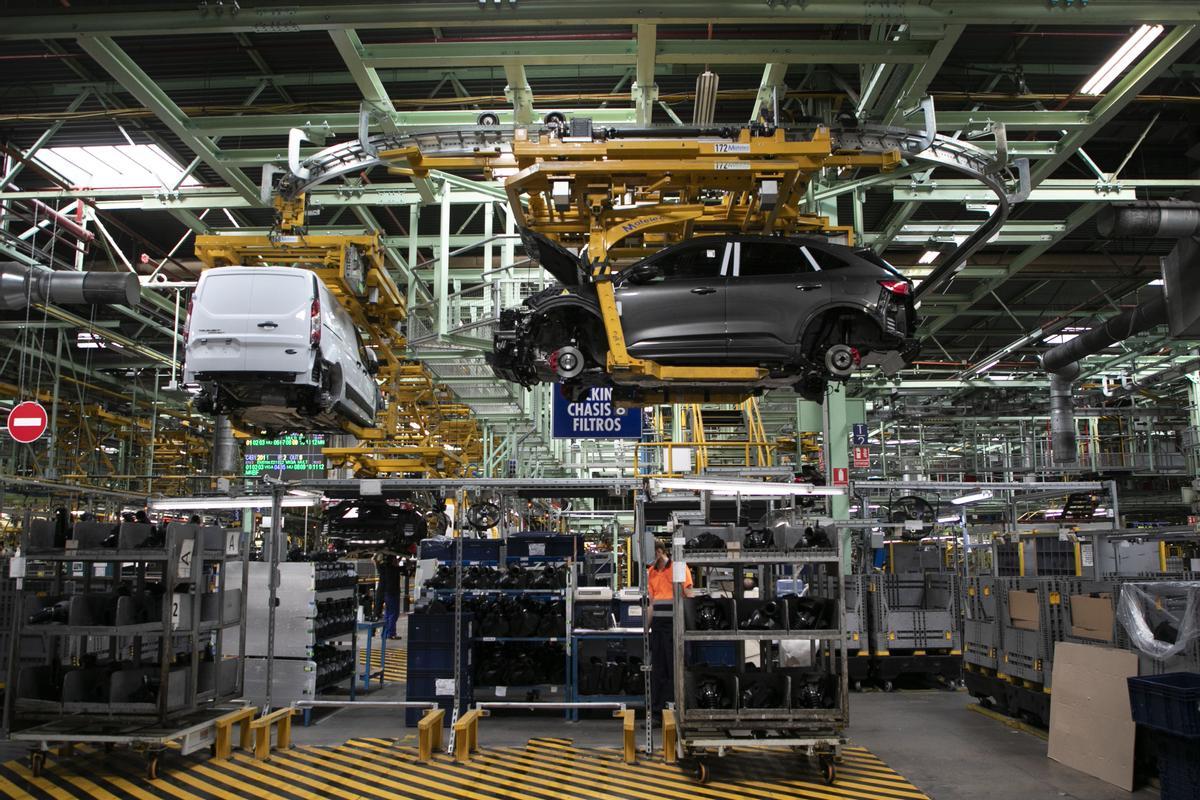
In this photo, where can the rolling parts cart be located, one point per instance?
(807, 720)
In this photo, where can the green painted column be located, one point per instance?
(837, 457)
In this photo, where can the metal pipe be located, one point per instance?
(1062, 362)
(80, 232)
(1150, 218)
(225, 446)
(21, 286)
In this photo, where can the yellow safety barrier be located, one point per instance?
(466, 736)
(282, 719)
(429, 734)
(627, 716)
(668, 735)
(224, 745)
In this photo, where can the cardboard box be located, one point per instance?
(1023, 609)
(1092, 616)
(1091, 728)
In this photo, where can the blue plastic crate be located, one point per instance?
(1178, 767)
(473, 549)
(545, 545)
(437, 629)
(423, 685)
(1167, 703)
(714, 654)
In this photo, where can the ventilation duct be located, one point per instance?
(1062, 363)
(22, 286)
(705, 109)
(1150, 218)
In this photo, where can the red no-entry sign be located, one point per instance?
(27, 422)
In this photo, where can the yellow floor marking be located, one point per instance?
(13, 791)
(298, 775)
(259, 774)
(189, 778)
(842, 787)
(381, 777)
(42, 784)
(719, 788)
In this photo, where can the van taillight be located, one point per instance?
(314, 323)
(901, 288)
(187, 320)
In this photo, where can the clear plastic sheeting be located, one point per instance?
(1161, 618)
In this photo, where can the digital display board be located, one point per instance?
(289, 456)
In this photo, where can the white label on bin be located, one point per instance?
(1085, 555)
(231, 541)
(444, 687)
(175, 610)
(633, 611)
(537, 548)
(678, 571)
(16, 567)
(501, 691)
(184, 570)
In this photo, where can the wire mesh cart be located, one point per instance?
(132, 629)
(802, 709)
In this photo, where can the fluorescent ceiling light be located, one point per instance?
(1155, 282)
(928, 257)
(1002, 377)
(126, 166)
(1133, 47)
(1060, 338)
(987, 366)
(201, 503)
(949, 518)
(746, 488)
(974, 497)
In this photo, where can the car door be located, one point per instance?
(218, 319)
(775, 286)
(679, 316)
(359, 384)
(277, 333)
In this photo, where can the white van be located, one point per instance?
(274, 347)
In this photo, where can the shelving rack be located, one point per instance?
(306, 620)
(141, 680)
(816, 731)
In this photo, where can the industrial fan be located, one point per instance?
(912, 508)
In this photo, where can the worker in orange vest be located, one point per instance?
(662, 644)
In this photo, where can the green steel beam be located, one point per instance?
(1022, 260)
(935, 193)
(772, 82)
(644, 92)
(343, 78)
(922, 73)
(1014, 120)
(320, 123)
(350, 48)
(201, 197)
(41, 140)
(1177, 42)
(518, 93)
(324, 16)
(117, 63)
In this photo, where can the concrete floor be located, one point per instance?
(929, 737)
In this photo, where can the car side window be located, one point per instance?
(697, 260)
(824, 258)
(764, 259)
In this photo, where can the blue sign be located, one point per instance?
(594, 417)
(860, 433)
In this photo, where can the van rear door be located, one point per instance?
(219, 316)
(277, 325)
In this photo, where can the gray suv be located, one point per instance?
(804, 309)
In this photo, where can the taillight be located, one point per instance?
(902, 288)
(187, 320)
(314, 323)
